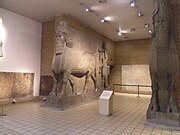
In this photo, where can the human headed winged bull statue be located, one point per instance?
(68, 63)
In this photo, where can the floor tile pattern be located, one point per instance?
(128, 119)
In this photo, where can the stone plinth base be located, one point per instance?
(70, 100)
(164, 120)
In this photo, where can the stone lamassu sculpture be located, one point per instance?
(163, 64)
(68, 63)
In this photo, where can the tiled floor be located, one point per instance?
(128, 119)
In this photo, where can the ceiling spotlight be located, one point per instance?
(150, 31)
(132, 3)
(103, 20)
(119, 33)
(147, 25)
(139, 14)
(88, 10)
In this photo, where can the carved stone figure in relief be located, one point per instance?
(103, 67)
(68, 63)
(1, 51)
(163, 62)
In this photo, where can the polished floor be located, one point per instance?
(128, 119)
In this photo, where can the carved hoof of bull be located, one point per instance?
(86, 91)
(73, 94)
(61, 95)
(83, 92)
(154, 108)
(171, 109)
(52, 94)
(96, 90)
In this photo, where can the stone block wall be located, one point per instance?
(131, 53)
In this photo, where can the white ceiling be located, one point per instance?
(121, 14)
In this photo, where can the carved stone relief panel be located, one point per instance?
(16, 85)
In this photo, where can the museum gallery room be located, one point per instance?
(89, 67)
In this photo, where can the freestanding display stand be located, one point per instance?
(106, 103)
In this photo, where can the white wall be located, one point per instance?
(22, 46)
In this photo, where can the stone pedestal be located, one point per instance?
(70, 100)
(164, 120)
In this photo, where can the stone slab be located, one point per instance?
(16, 85)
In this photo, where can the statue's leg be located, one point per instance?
(59, 83)
(53, 93)
(71, 80)
(154, 105)
(85, 89)
(171, 88)
(64, 81)
(94, 82)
